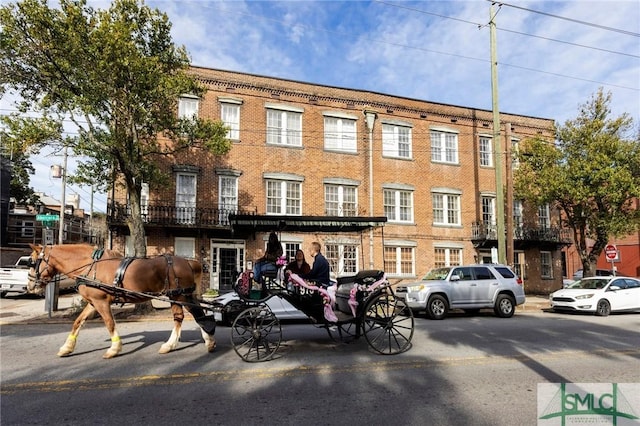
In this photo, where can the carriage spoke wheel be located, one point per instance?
(343, 332)
(388, 324)
(256, 334)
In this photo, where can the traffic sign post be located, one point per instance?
(611, 253)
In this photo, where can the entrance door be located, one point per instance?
(227, 260)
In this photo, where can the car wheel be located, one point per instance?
(437, 307)
(3, 294)
(603, 308)
(505, 306)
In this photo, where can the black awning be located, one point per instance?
(243, 224)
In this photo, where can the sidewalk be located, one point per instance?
(32, 310)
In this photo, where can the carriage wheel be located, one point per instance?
(256, 334)
(343, 332)
(388, 324)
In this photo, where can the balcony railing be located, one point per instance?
(553, 234)
(165, 214)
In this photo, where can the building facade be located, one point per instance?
(303, 152)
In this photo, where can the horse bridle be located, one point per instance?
(36, 266)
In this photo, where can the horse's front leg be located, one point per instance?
(103, 306)
(70, 343)
(172, 343)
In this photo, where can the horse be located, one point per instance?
(104, 277)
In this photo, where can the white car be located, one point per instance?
(600, 295)
(231, 306)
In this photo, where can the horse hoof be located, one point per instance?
(165, 349)
(109, 355)
(62, 353)
(211, 347)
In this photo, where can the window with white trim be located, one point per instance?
(230, 116)
(28, 229)
(444, 147)
(398, 205)
(340, 134)
(399, 260)
(340, 200)
(228, 196)
(486, 151)
(185, 247)
(284, 197)
(546, 264)
(290, 249)
(488, 211)
(447, 256)
(284, 127)
(446, 208)
(186, 198)
(543, 216)
(396, 141)
(343, 258)
(517, 214)
(188, 107)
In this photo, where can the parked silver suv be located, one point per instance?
(469, 288)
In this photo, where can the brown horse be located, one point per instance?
(104, 277)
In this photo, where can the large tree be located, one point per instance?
(116, 76)
(591, 172)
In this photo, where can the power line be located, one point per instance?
(577, 21)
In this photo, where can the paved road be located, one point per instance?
(479, 370)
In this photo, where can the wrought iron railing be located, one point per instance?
(165, 214)
(554, 234)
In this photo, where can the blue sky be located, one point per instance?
(431, 50)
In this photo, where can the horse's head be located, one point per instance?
(40, 271)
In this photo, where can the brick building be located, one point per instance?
(336, 161)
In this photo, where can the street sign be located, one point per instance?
(611, 252)
(47, 217)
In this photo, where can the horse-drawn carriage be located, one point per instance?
(362, 304)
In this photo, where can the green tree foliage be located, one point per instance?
(117, 76)
(592, 173)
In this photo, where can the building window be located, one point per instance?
(396, 141)
(446, 256)
(399, 260)
(188, 107)
(446, 209)
(228, 197)
(340, 134)
(340, 200)
(546, 264)
(186, 198)
(284, 127)
(185, 247)
(28, 229)
(398, 205)
(488, 211)
(486, 151)
(517, 214)
(343, 258)
(543, 216)
(230, 116)
(284, 197)
(290, 250)
(444, 147)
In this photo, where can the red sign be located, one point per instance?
(611, 251)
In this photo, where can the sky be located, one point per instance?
(552, 56)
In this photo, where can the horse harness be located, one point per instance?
(123, 295)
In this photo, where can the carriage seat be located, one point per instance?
(367, 276)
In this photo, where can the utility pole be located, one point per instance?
(497, 142)
(63, 195)
(370, 119)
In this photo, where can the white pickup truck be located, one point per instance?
(14, 279)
